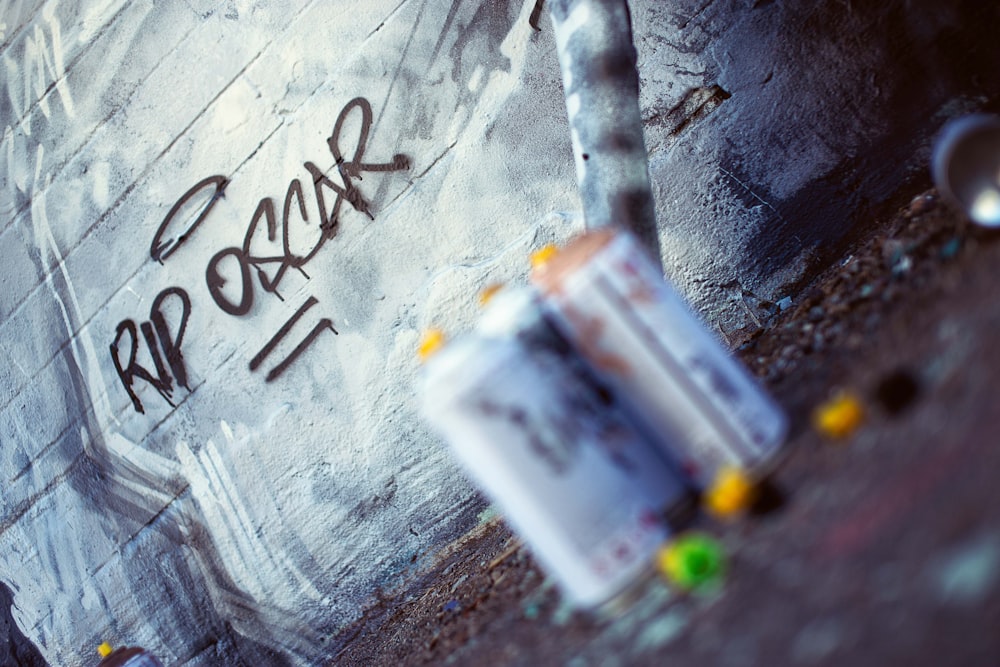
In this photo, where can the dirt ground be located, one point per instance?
(882, 549)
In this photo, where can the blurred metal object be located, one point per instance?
(966, 166)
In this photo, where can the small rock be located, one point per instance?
(970, 573)
(904, 264)
(893, 253)
(951, 248)
(921, 204)
(785, 303)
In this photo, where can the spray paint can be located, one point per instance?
(610, 300)
(520, 314)
(569, 472)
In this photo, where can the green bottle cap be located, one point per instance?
(693, 561)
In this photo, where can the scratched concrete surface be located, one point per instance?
(208, 441)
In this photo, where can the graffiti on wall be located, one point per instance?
(266, 253)
(110, 517)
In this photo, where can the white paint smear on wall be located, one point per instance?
(274, 508)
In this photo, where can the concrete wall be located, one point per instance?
(208, 443)
(230, 503)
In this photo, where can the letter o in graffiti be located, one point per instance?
(216, 282)
(159, 250)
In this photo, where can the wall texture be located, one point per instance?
(223, 226)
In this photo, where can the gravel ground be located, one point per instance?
(881, 549)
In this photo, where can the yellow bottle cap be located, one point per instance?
(840, 416)
(732, 492)
(489, 292)
(105, 649)
(430, 342)
(543, 254)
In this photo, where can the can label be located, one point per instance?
(590, 402)
(568, 470)
(609, 299)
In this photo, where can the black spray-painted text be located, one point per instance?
(263, 258)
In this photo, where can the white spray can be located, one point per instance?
(570, 473)
(610, 300)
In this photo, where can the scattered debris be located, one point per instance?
(840, 416)
(951, 248)
(693, 561)
(896, 258)
(921, 204)
(970, 572)
(731, 494)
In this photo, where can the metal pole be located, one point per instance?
(598, 61)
